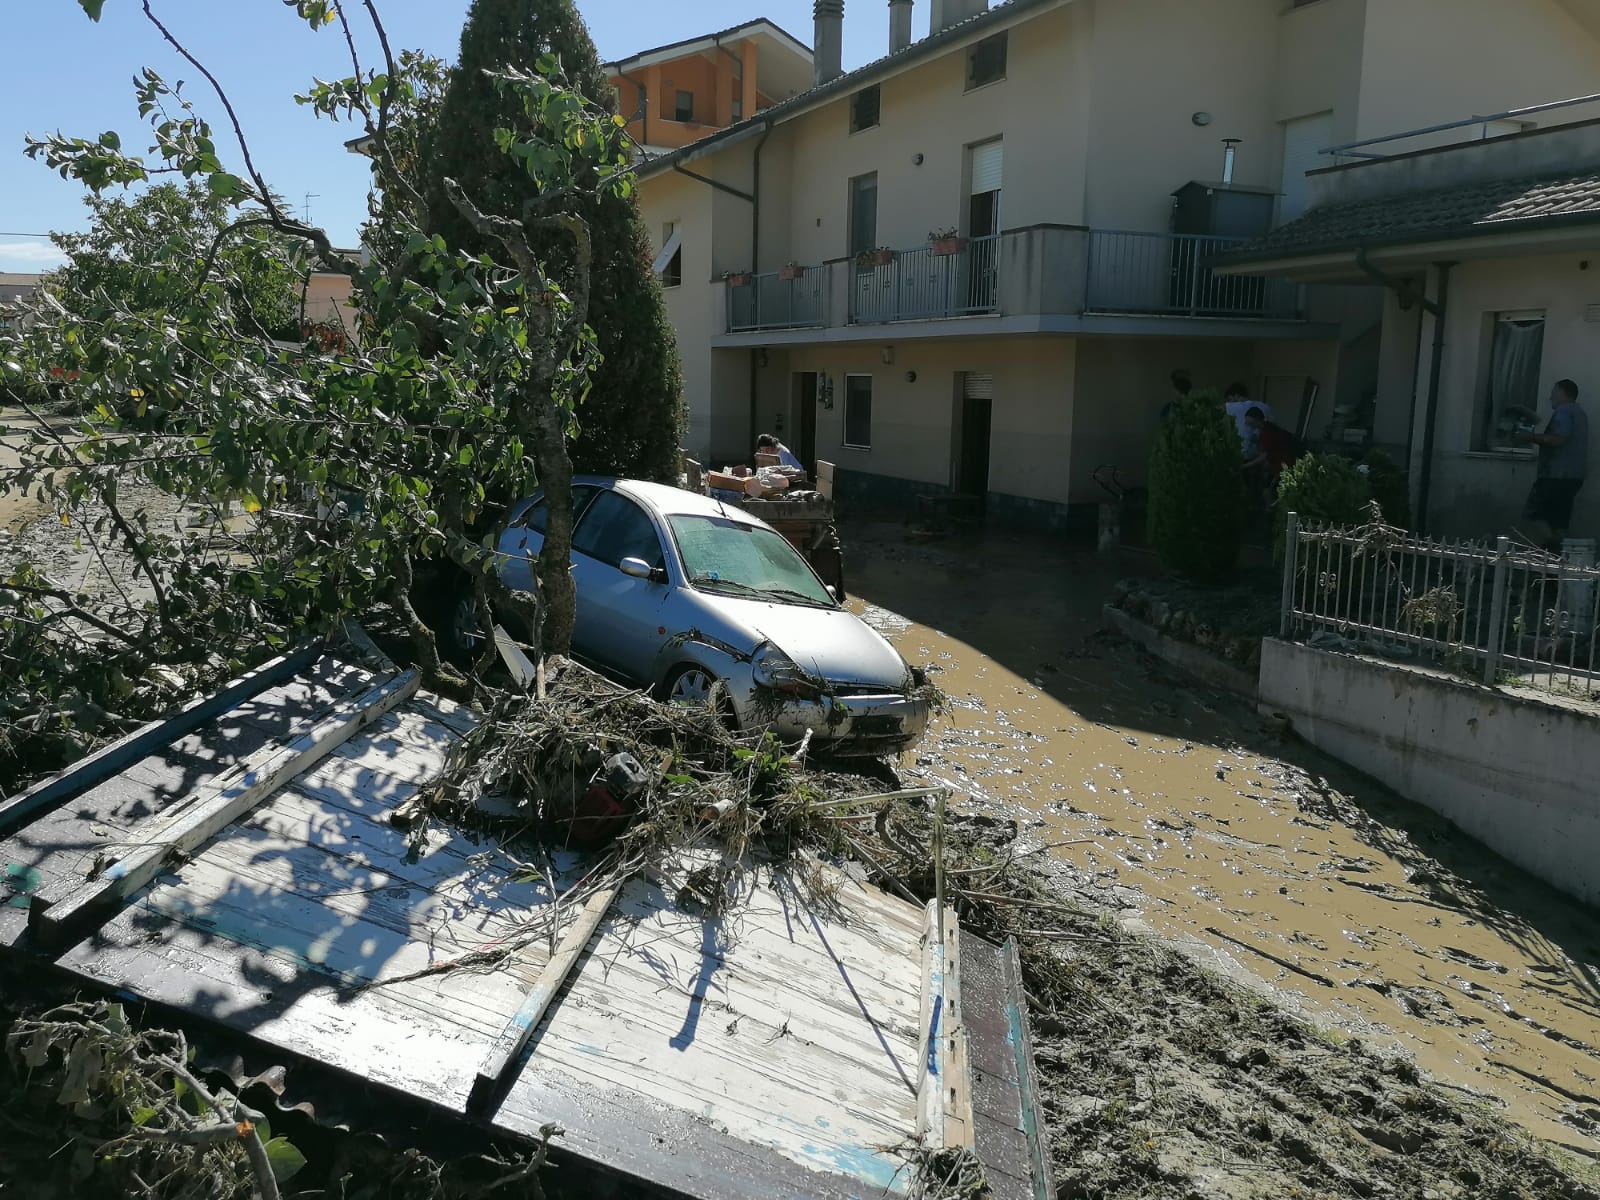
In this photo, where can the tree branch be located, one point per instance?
(70, 609)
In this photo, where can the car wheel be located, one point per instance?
(463, 629)
(693, 686)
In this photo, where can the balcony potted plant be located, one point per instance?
(737, 278)
(791, 271)
(882, 256)
(946, 241)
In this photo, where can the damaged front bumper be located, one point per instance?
(865, 724)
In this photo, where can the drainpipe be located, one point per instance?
(1440, 312)
(755, 257)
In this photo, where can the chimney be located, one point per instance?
(952, 12)
(899, 25)
(828, 53)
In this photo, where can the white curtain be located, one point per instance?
(1514, 367)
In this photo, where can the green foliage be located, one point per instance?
(467, 382)
(146, 253)
(1324, 489)
(632, 421)
(1391, 488)
(1196, 515)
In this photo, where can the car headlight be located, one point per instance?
(772, 668)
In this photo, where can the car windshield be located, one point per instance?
(744, 560)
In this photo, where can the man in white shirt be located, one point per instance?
(1238, 403)
(767, 444)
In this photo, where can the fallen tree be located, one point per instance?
(362, 468)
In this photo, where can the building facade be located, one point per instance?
(674, 95)
(1490, 253)
(970, 266)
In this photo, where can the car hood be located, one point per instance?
(831, 643)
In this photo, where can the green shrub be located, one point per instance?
(1324, 489)
(1197, 510)
(1390, 486)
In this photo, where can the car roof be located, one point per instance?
(670, 501)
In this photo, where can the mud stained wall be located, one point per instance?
(1517, 774)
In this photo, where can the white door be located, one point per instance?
(1303, 142)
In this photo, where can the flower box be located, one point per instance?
(944, 247)
(739, 279)
(792, 272)
(877, 258)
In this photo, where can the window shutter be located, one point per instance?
(664, 259)
(988, 167)
(978, 386)
(1303, 143)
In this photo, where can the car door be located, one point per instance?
(524, 537)
(619, 620)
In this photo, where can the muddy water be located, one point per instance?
(1374, 915)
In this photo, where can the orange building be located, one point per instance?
(680, 93)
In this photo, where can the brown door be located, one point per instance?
(805, 386)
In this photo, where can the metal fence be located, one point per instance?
(1501, 613)
(1169, 275)
(780, 300)
(924, 285)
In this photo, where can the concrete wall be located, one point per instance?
(1431, 61)
(1154, 64)
(912, 422)
(1518, 774)
(1481, 494)
(1319, 61)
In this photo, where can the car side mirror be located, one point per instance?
(834, 592)
(636, 568)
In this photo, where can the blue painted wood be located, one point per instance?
(1027, 1078)
(123, 753)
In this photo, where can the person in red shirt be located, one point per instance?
(1276, 451)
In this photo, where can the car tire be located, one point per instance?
(461, 628)
(691, 685)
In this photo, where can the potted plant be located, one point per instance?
(791, 271)
(736, 278)
(946, 241)
(882, 256)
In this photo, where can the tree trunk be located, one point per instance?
(559, 593)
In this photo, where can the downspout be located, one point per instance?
(1441, 309)
(755, 256)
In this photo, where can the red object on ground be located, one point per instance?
(599, 817)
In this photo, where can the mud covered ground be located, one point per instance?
(1402, 1008)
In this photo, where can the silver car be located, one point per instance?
(678, 593)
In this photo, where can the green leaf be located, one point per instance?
(92, 7)
(286, 1161)
(465, 457)
(144, 1115)
(225, 186)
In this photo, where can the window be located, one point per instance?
(864, 109)
(615, 528)
(736, 559)
(863, 213)
(685, 107)
(858, 411)
(986, 62)
(669, 263)
(535, 515)
(1510, 391)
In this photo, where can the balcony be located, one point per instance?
(1045, 278)
(1161, 274)
(924, 285)
(788, 299)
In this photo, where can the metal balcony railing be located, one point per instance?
(1167, 274)
(770, 301)
(923, 285)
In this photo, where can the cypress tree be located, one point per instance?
(633, 419)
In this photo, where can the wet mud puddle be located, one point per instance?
(1372, 915)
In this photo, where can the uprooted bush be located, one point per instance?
(1325, 491)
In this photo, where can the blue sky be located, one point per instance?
(64, 72)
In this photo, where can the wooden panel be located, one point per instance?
(20, 809)
(783, 1026)
(213, 809)
(373, 1035)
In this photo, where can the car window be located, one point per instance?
(535, 516)
(720, 555)
(614, 528)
